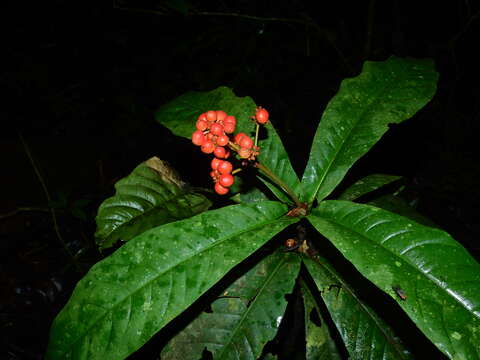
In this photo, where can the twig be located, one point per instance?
(23, 209)
(49, 199)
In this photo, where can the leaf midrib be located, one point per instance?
(173, 266)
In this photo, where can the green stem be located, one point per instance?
(279, 182)
(257, 129)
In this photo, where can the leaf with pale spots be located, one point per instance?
(128, 297)
(244, 317)
(432, 277)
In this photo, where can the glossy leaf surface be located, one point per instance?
(356, 118)
(181, 114)
(364, 333)
(432, 277)
(367, 184)
(129, 296)
(150, 196)
(244, 318)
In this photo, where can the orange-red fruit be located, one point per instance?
(222, 140)
(221, 115)
(201, 125)
(198, 138)
(211, 115)
(230, 119)
(221, 190)
(238, 137)
(246, 142)
(214, 174)
(226, 180)
(228, 127)
(216, 129)
(225, 167)
(261, 116)
(215, 162)
(202, 117)
(208, 147)
(220, 152)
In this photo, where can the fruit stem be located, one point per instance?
(256, 133)
(236, 171)
(279, 182)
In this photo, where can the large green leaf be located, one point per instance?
(364, 333)
(366, 185)
(319, 343)
(129, 296)
(356, 118)
(180, 116)
(433, 278)
(150, 196)
(244, 318)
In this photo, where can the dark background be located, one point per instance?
(81, 85)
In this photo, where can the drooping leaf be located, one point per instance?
(244, 318)
(319, 343)
(181, 114)
(367, 184)
(355, 119)
(150, 196)
(433, 278)
(129, 296)
(364, 333)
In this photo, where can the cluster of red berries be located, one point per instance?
(212, 135)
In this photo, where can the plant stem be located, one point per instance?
(257, 129)
(279, 182)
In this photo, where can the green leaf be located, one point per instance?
(319, 343)
(364, 333)
(150, 196)
(436, 277)
(400, 206)
(275, 158)
(356, 118)
(129, 296)
(252, 195)
(244, 318)
(367, 184)
(181, 114)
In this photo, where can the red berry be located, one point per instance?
(230, 119)
(216, 129)
(225, 167)
(246, 142)
(221, 115)
(220, 152)
(238, 137)
(208, 147)
(227, 154)
(198, 138)
(226, 180)
(220, 190)
(215, 162)
(202, 117)
(229, 127)
(222, 140)
(210, 136)
(214, 174)
(211, 115)
(201, 125)
(261, 115)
